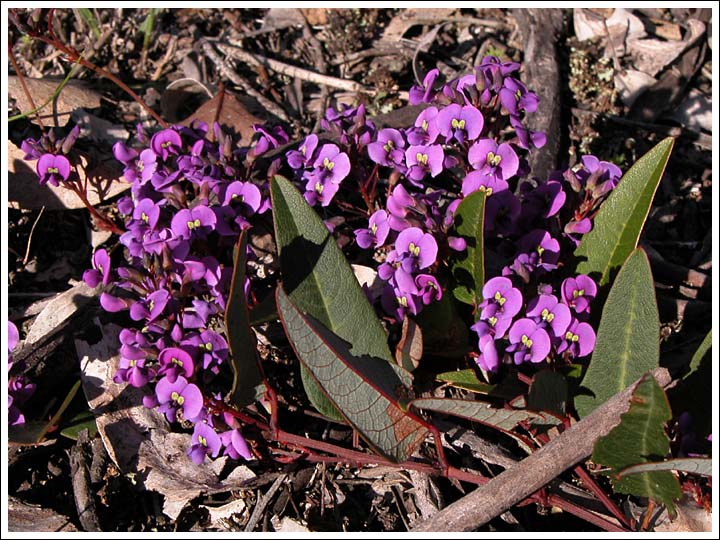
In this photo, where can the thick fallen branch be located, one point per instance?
(531, 474)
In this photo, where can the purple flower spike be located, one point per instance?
(492, 159)
(377, 231)
(178, 395)
(478, 180)
(52, 169)
(579, 339)
(204, 441)
(100, 271)
(500, 291)
(460, 123)
(423, 159)
(388, 149)
(418, 250)
(195, 222)
(528, 342)
(545, 310)
(175, 362)
(166, 142)
(578, 292)
(235, 445)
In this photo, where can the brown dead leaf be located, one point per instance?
(407, 18)
(73, 96)
(233, 116)
(315, 16)
(138, 439)
(24, 191)
(24, 517)
(409, 350)
(59, 309)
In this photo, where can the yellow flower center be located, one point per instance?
(328, 164)
(177, 362)
(373, 228)
(518, 94)
(540, 250)
(526, 341)
(207, 346)
(488, 190)
(421, 158)
(424, 125)
(499, 298)
(415, 250)
(492, 321)
(389, 146)
(202, 440)
(166, 144)
(547, 316)
(457, 124)
(319, 188)
(53, 170)
(194, 224)
(140, 166)
(151, 305)
(177, 398)
(402, 300)
(571, 337)
(493, 159)
(578, 292)
(145, 217)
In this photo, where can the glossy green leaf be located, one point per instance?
(701, 466)
(241, 339)
(83, 420)
(548, 392)
(628, 340)
(367, 391)
(617, 226)
(469, 272)
(640, 438)
(319, 280)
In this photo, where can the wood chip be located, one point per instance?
(24, 517)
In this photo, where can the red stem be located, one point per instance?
(582, 513)
(600, 494)
(103, 221)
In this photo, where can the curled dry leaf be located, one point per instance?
(138, 439)
(24, 191)
(74, 95)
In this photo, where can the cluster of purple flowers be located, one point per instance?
(50, 151)
(20, 389)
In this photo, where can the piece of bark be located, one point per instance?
(542, 30)
(532, 473)
(82, 491)
(24, 517)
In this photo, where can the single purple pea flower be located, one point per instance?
(101, 269)
(528, 342)
(494, 320)
(52, 169)
(488, 358)
(418, 250)
(546, 311)
(304, 156)
(479, 181)
(578, 292)
(377, 231)
(320, 191)
(151, 307)
(235, 445)
(460, 122)
(515, 97)
(245, 193)
(490, 158)
(134, 372)
(428, 289)
(425, 131)
(331, 165)
(205, 441)
(166, 142)
(398, 204)
(526, 138)
(387, 150)
(424, 93)
(500, 291)
(174, 362)
(579, 339)
(189, 223)
(179, 395)
(423, 159)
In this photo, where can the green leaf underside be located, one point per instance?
(478, 411)
(640, 438)
(319, 280)
(628, 340)
(467, 380)
(469, 272)
(617, 226)
(363, 388)
(241, 338)
(701, 466)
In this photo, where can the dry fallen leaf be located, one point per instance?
(24, 191)
(409, 350)
(73, 96)
(631, 83)
(138, 439)
(652, 55)
(695, 112)
(233, 116)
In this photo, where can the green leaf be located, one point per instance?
(702, 351)
(83, 420)
(241, 339)
(34, 432)
(617, 226)
(89, 18)
(628, 340)
(640, 438)
(469, 272)
(467, 380)
(319, 280)
(548, 392)
(366, 390)
(701, 466)
(694, 393)
(147, 27)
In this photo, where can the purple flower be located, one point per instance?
(424, 93)
(578, 292)
(460, 122)
(13, 336)
(423, 159)
(425, 131)
(100, 271)
(235, 445)
(166, 142)
(204, 441)
(499, 291)
(545, 200)
(398, 204)
(526, 138)
(538, 250)
(579, 339)
(151, 307)
(269, 138)
(134, 372)
(198, 221)
(174, 396)
(528, 342)
(488, 358)
(319, 191)
(387, 150)
(377, 230)
(399, 299)
(494, 321)
(428, 288)
(516, 98)
(304, 156)
(174, 362)
(212, 348)
(602, 173)
(416, 249)
(478, 180)
(546, 310)
(331, 165)
(490, 158)
(52, 169)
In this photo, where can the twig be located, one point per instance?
(321, 67)
(531, 474)
(241, 81)
(32, 230)
(21, 78)
(263, 502)
(587, 515)
(293, 71)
